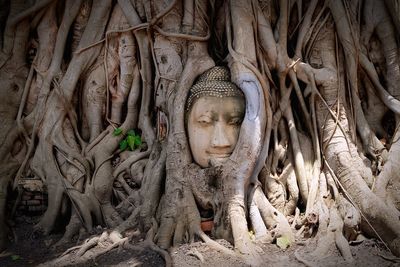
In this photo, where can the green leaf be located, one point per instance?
(138, 140)
(117, 131)
(131, 133)
(131, 142)
(283, 242)
(15, 257)
(123, 145)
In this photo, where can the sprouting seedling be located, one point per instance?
(131, 141)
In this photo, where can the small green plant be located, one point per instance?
(15, 257)
(131, 141)
(117, 131)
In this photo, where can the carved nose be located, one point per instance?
(220, 138)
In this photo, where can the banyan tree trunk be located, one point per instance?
(94, 106)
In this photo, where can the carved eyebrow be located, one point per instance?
(210, 113)
(208, 116)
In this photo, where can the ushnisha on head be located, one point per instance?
(215, 109)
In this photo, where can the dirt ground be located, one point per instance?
(34, 250)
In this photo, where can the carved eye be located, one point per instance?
(235, 121)
(204, 121)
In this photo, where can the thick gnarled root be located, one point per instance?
(275, 221)
(90, 249)
(330, 233)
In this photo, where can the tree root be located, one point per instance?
(389, 258)
(90, 249)
(71, 230)
(304, 261)
(62, 81)
(333, 235)
(214, 245)
(197, 254)
(336, 226)
(163, 253)
(273, 219)
(94, 247)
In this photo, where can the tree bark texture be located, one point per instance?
(94, 100)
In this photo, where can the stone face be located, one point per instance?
(213, 128)
(215, 110)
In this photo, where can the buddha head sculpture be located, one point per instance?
(214, 112)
